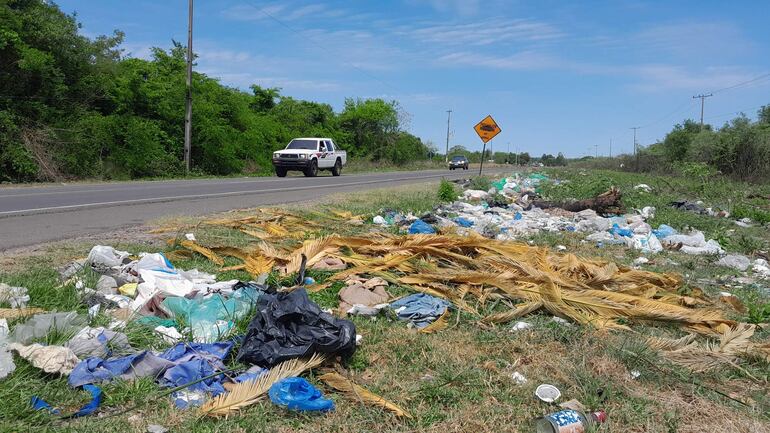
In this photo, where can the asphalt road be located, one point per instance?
(39, 214)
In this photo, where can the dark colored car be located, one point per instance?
(458, 161)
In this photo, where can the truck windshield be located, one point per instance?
(303, 144)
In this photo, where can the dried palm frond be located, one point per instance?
(519, 311)
(661, 343)
(247, 393)
(257, 264)
(361, 394)
(314, 250)
(15, 313)
(208, 253)
(437, 325)
(709, 356)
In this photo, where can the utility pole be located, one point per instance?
(448, 116)
(636, 151)
(702, 103)
(188, 113)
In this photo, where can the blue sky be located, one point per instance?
(556, 75)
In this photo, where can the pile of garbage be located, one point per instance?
(190, 311)
(601, 219)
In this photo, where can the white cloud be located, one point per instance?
(496, 31)
(671, 77)
(524, 60)
(461, 7)
(284, 11)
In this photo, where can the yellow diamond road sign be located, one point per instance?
(487, 129)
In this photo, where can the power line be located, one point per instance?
(735, 86)
(299, 33)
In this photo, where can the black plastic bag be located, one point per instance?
(289, 325)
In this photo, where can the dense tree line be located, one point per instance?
(74, 107)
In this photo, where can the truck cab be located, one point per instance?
(309, 155)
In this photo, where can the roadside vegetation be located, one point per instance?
(74, 107)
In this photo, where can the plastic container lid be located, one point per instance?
(547, 393)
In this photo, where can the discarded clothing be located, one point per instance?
(50, 359)
(420, 308)
(87, 409)
(289, 325)
(17, 297)
(463, 222)
(40, 325)
(97, 342)
(96, 370)
(296, 393)
(421, 227)
(253, 373)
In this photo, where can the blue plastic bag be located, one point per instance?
(616, 230)
(463, 222)
(664, 231)
(421, 227)
(89, 408)
(296, 393)
(517, 216)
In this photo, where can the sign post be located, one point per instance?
(487, 129)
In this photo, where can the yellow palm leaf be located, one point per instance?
(361, 394)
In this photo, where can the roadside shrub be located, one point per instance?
(481, 183)
(446, 191)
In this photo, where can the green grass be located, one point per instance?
(460, 378)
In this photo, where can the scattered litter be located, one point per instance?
(51, 359)
(290, 325)
(475, 194)
(330, 264)
(573, 404)
(569, 421)
(421, 227)
(561, 321)
(366, 293)
(635, 374)
(89, 408)
(647, 212)
(98, 342)
(561, 248)
(6, 358)
(128, 289)
(40, 325)
(103, 258)
(547, 393)
(420, 308)
(309, 281)
(761, 268)
(190, 236)
(106, 285)
(733, 301)
(186, 398)
(17, 297)
(211, 318)
(155, 428)
(521, 326)
(735, 261)
(641, 261)
(643, 187)
(518, 378)
(296, 393)
(169, 334)
(379, 220)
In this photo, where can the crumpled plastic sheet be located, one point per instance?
(102, 258)
(420, 308)
(40, 325)
(296, 393)
(96, 370)
(98, 342)
(211, 318)
(289, 325)
(17, 297)
(89, 408)
(7, 365)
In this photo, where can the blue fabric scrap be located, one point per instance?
(420, 308)
(463, 222)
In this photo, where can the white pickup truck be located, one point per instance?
(310, 155)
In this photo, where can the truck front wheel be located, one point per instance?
(337, 169)
(312, 170)
(280, 172)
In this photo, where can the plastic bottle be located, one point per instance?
(569, 421)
